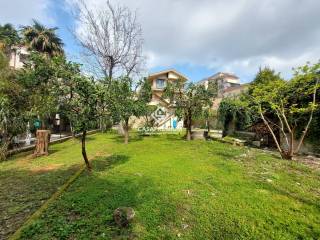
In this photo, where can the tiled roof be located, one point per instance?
(218, 75)
(167, 71)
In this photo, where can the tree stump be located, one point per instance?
(43, 140)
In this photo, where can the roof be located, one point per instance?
(167, 71)
(218, 75)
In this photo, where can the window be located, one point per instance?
(160, 83)
(160, 112)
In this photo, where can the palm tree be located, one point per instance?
(9, 35)
(42, 39)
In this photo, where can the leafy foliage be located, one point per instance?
(82, 109)
(13, 102)
(235, 109)
(39, 79)
(125, 101)
(42, 39)
(8, 36)
(190, 101)
(292, 103)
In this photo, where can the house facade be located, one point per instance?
(18, 57)
(164, 116)
(224, 81)
(228, 86)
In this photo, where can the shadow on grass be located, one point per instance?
(52, 151)
(23, 191)
(100, 164)
(132, 138)
(92, 199)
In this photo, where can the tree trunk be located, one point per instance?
(290, 150)
(188, 133)
(189, 121)
(271, 131)
(286, 155)
(126, 131)
(4, 149)
(43, 124)
(310, 118)
(43, 140)
(84, 153)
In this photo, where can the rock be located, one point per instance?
(184, 226)
(123, 216)
(256, 143)
(239, 142)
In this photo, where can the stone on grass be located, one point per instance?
(256, 143)
(123, 216)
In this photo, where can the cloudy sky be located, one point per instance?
(202, 37)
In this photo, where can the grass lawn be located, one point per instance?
(179, 190)
(26, 183)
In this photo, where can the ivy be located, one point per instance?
(235, 109)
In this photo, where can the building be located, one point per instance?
(224, 81)
(164, 116)
(18, 56)
(228, 86)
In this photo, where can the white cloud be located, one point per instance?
(21, 12)
(234, 35)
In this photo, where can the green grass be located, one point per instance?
(26, 183)
(183, 190)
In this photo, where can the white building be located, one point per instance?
(18, 57)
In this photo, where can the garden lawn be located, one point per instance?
(184, 190)
(26, 183)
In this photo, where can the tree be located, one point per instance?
(8, 37)
(65, 73)
(13, 101)
(280, 99)
(42, 39)
(82, 110)
(125, 102)
(38, 78)
(208, 114)
(189, 102)
(111, 38)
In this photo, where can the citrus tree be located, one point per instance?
(82, 110)
(189, 102)
(126, 102)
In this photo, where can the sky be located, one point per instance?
(200, 37)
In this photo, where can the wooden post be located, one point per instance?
(43, 140)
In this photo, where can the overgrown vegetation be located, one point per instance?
(13, 106)
(235, 111)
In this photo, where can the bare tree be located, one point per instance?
(112, 39)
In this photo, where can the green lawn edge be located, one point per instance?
(44, 207)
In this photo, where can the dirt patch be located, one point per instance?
(24, 161)
(311, 161)
(47, 168)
